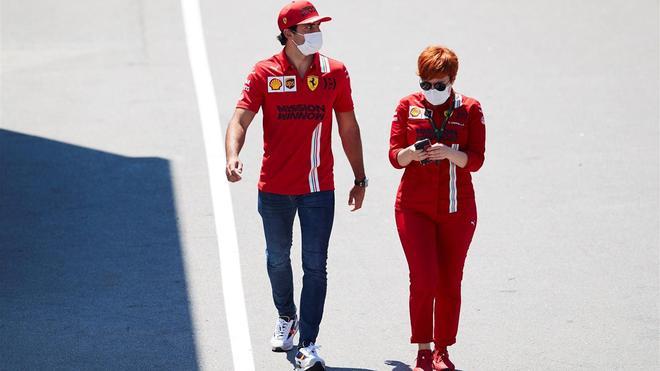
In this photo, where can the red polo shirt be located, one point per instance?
(438, 188)
(297, 121)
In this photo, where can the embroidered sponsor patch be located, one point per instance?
(275, 84)
(289, 83)
(280, 84)
(312, 82)
(455, 123)
(415, 112)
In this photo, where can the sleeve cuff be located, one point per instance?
(249, 107)
(474, 162)
(393, 158)
(344, 109)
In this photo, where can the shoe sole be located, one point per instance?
(317, 367)
(282, 349)
(286, 349)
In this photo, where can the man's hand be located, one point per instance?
(234, 170)
(234, 140)
(349, 131)
(355, 197)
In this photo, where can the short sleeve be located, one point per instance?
(252, 96)
(344, 100)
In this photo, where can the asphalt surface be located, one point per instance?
(108, 253)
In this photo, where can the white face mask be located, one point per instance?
(312, 44)
(437, 97)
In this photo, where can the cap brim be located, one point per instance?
(315, 19)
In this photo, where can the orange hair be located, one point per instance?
(437, 61)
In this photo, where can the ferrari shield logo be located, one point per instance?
(312, 82)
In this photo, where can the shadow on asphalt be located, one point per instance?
(400, 366)
(291, 356)
(91, 273)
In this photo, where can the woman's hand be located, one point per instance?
(439, 151)
(417, 155)
(409, 154)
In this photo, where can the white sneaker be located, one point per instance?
(307, 359)
(285, 330)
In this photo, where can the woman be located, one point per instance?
(438, 136)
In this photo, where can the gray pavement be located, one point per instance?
(108, 256)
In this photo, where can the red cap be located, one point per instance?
(298, 12)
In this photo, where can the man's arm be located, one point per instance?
(234, 140)
(349, 132)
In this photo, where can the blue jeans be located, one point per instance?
(316, 213)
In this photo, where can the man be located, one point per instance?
(297, 90)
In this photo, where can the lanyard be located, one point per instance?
(441, 130)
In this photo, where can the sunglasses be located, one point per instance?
(426, 85)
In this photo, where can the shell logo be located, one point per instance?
(275, 84)
(414, 112)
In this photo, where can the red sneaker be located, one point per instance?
(424, 361)
(441, 360)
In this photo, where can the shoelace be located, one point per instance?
(312, 348)
(280, 327)
(439, 356)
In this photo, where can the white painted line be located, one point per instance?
(225, 228)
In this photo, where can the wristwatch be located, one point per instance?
(364, 183)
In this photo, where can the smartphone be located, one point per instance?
(422, 144)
